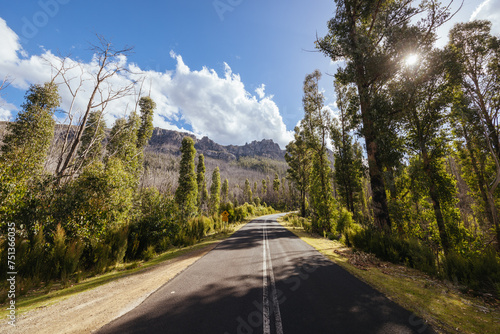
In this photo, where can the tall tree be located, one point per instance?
(123, 144)
(361, 34)
(215, 192)
(147, 107)
(225, 191)
(298, 157)
(477, 53)
(109, 64)
(424, 95)
(247, 192)
(186, 193)
(347, 156)
(94, 134)
(316, 125)
(26, 144)
(202, 184)
(264, 188)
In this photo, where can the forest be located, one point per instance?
(415, 139)
(78, 199)
(407, 166)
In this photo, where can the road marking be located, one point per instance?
(276, 306)
(265, 299)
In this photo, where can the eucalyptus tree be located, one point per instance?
(94, 134)
(186, 193)
(247, 192)
(202, 184)
(225, 191)
(122, 144)
(109, 64)
(215, 190)
(298, 157)
(425, 95)
(316, 125)
(145, 131)
(26, 144)
(361, 36)
(477, 54)
(348, 163)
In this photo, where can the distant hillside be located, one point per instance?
(168, 141)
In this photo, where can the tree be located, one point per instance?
(247, 192)
(26, 144)
(108, 65)
(215, 192)
(477, 60)
(123, 144)
(94, 134)
(202, 185)
(147, 107)
(362, 34)
(186, 193)
(298, 157)
(225, 191)
(424, 95)
(347, 156)
(264, 188)
(276, 183)
(316, 125)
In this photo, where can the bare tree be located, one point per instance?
(5, 83)
(109, 65)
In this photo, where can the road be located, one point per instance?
(264, 279)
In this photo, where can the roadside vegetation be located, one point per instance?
(77, 204)
(447, 306)
(423, 191)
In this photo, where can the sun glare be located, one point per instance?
(411, 59)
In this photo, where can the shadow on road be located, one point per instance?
(315, 296)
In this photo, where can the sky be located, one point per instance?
(231, 70)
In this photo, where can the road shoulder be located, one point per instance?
(442, 305)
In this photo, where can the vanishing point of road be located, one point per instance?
(264, 279)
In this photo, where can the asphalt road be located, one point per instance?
(266, 280)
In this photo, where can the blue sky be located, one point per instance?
(207, 61)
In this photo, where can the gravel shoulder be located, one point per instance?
(88, 311)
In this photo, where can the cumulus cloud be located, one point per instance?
(5, 110)
(217, 106)
(488, 10)
(261, 91)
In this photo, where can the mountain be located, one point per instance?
(168, 141)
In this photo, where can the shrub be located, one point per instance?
(480, 271)
(394, 249)
(148, 253)
(344, 221)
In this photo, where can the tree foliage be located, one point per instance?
(187, 192)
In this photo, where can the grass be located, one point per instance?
(43, 298)
(443, 305)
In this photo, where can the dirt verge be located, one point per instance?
(88, 311)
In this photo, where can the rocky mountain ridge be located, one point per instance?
(169, 141)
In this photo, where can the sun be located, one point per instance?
(411, 59)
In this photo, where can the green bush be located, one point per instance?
(479, 271)
(148, 253)
(344, 221)
(394, 249)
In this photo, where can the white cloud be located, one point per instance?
(10, 43)
(261, 91)
(6, 110)
(216, 106)
(488, 10)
